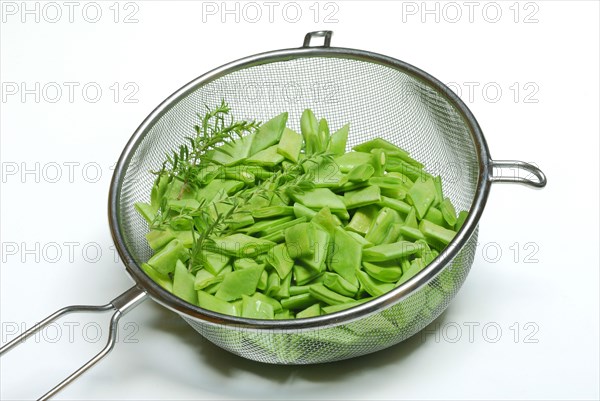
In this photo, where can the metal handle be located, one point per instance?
(121, 305)
(539, 181)
(318, 34)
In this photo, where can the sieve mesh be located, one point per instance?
(378, 101)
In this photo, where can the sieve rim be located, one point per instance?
(176, 304)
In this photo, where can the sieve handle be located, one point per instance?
(534, 177)
(318, 34)
(121, 305)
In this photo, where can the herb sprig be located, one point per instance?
(217, 126)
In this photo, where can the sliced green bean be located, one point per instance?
(183, 284)
(209, 192)
(411, 233)
(321, 247)
(267, 158)
(381, 225)
(267, 299)
(460, 220)
(212, 303)
(389, 274)
(164, 261)
(304, 275)
(395, 193)
(360, 173)
(388, 181)
(325, 173)
(415, 267)
(309, 126)
(266, 224)
(362, 219)
(239, 282)
(240, 220)
(162, 280)
(372, 286)
(378, 143)
(181, 205)
(411, 219)
(212, 289)
(403, 156)
(360, 239)
(284, 315)
(412, 172)
(284, 289)
(276, 237)
(421, 195)
(345, 255)
(319, 198)
(204, 278)
(300, 240)
(269, 133)
(406, 182)
(244, 263)
(436, 233)
(146, 210)
(435, 216)
(263, 281)
(237, 175)
(300, 301)
(341, 307)
(272, 211)
(324, 294)
(245, 173)
(337, 283)
(280, 259)
(302, 211)
(282, 226)
(290, 145)
(182, 223)
(327, 221)
(381, 253)
(337, 141)
(311, 311)
(158, 191)
(392, 234)
(273, 284)
(323, 135)
(350, 160)
(254, 308)
(379, 160)
(362, 197)
(241, 245)
(448, 212)
(439, 195)
(299, 289)
(214, 262)
(159, 238)
(395, 204)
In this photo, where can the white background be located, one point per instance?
(547, 310)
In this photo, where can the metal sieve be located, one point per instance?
(381, 97)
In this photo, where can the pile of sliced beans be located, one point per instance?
(352, 226)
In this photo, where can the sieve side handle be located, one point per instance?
(121, 305)
(534, 177)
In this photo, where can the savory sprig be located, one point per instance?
(207, 228)
(217, 126)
